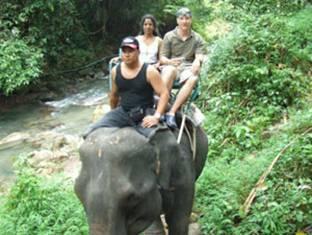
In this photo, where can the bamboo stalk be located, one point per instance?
(253, 193)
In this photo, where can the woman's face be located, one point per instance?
(148, 26)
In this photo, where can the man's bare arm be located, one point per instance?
(113, 96)
(159, 87)
(173, 61)
(197, 63)
(153, 77)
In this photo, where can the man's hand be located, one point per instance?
(176, 61)
(150, 121)
(157, 65)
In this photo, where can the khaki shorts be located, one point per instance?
(185, 73)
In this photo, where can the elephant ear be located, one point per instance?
(167, 152)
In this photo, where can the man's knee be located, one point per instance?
(169, 71)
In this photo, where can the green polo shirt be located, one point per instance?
(173, 46)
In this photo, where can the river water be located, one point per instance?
(69, 115)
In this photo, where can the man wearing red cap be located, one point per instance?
(133, 86)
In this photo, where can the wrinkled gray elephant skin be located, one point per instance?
(123, 188)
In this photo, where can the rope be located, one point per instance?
(194, 143)
(82, 67)
(181, 129)
(192, 139)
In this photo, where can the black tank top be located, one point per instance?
(136, 92)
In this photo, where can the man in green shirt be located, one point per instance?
(182, 55)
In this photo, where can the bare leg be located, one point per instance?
(168, 75)
(183, 95)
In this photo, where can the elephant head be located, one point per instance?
(118, 182)
(127, 180)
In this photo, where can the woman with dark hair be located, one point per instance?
(149, 40)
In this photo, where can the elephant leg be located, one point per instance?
(156, 228)
(178, 216)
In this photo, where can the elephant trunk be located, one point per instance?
(97, 229)
(108, 228)
(104, 213)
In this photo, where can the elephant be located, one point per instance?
(127, 180)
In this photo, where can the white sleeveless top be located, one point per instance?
(148, 53)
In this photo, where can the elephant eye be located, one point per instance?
(130, 206)
(132, 199)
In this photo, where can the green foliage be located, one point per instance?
(37, 206)
(37, 35)
(257, 83)
(259, 62)
(260, 68)
(268, 6)
(200, 12)
(284, 204)
(20, 64)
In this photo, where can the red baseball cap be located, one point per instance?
(131, 42)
